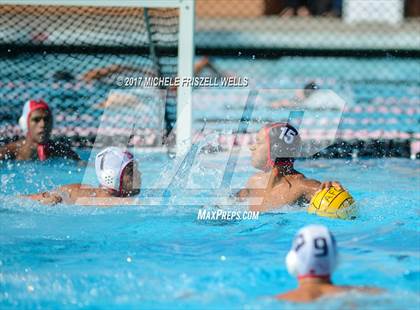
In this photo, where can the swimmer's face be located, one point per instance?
(131, 181)
(259, 151)
(40, 125)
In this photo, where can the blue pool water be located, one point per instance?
(161, 256)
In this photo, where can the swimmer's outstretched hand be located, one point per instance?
(328, 184)
(50, 198)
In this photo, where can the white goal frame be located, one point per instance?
(186, 50)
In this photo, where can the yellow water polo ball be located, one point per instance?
(333, 203)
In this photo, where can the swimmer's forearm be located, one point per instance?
(32, 196)
(46, 198)
(106, 201)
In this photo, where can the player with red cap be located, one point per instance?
(274, 152)
(36, 123)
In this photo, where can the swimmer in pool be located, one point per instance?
(312, 260)
(118, 176)
(299, 99)
(311, 98)
(127, 99)
(36, 123)
(279, 184)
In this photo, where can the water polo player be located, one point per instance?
(36, 123)
(312, 259)
(279, 184)
(118, 176)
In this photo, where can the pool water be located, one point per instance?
(161, 256)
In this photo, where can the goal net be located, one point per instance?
(87, 61)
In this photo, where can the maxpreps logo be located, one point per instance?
(206, 215)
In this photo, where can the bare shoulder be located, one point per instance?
(362, 289)
(300, 295)
(256, 178)
(294, 296)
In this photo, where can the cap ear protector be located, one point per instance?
(313, 253)
(291, 263)
(108, 178)
(23, 123)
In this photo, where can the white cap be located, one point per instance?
(313, 253)
(109, 166)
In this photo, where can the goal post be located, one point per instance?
(185, 48)
(185, 69)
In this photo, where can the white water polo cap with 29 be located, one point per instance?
(313, 253)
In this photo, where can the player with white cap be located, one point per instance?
(118, 176)
(312, 259)
(36, 123)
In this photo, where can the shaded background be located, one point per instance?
(367, 52)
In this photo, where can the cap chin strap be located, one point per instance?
(286, 162)
(42, 151)
(120, 189)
